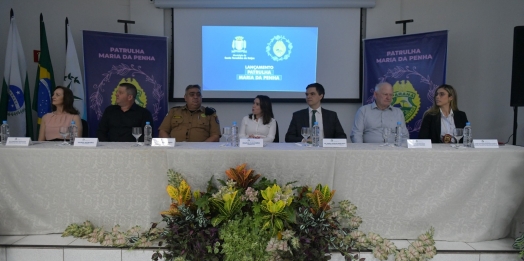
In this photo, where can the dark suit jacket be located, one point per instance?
(330, 123)
(430, 128)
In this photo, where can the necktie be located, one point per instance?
(313, 118)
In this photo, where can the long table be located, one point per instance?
(466, 194)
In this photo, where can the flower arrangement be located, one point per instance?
(519, 245)
(242, 219)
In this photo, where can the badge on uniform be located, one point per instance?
(447, 138)
(177, 117)
(203, 115)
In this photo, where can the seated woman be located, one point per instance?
(444, 116)
(62, 115)
(260, 124)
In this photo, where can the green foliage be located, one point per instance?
(76, 230)
(189, 236)
(228, 205)
(246, 220)
(243, 241)
(131, 238)
(174, 178)
(519, 245)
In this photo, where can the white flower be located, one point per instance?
(412, 253)
(287, 234)
(380, 254)
(355, 222)
(401, 255)
(272, 245)
(431, 251)
(116, 228)
(389, 245)
(295, 243)
(107, 241)
(374, 238)
(282, 245)
(230, 183)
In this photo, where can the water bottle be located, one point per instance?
(148, 134)
(234, 135)
(315, 135)
(398, 134)
(468, 138)
(4, 132)
(73, 132)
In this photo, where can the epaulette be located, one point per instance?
(176, 107)
(210, 111)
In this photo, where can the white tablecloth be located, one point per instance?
(466, 194)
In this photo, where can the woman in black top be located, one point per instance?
(440, 120)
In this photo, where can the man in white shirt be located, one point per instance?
(327, 120)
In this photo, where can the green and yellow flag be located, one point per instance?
(45, 79)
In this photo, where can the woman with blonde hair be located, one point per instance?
(444, 116)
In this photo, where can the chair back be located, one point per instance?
(276, 134)
(85, 130)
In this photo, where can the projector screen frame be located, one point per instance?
(171, 88)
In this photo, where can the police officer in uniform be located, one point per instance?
(191, 122)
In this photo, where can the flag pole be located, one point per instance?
(66, 24)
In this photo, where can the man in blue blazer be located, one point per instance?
(330, 126)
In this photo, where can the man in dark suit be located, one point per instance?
(330, 126)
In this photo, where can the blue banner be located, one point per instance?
(415, 65)
(111, 59)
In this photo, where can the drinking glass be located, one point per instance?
(385, 135)
(226, 132)
(458, 133)
(137, 132)
(306, 131)
(64, 132)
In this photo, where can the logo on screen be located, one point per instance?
(239, 45)
(279, 48)
(405, 95)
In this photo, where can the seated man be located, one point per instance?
(372, 118)
(328, 122)
(191, 122)
(118, 120)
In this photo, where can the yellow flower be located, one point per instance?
(269, 193)
(180, 195)
(229, 198)
(172, 211)
(275, 208)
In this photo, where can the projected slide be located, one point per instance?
(253, 58)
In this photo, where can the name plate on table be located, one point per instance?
(334, 143)
(163, 142)
(419, 144)
(85, 142)
(18, 141)
(251, 143)
(485, 144)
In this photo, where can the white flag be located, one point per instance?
(15, 80)
(73, 76)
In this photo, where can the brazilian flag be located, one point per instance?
(45, 79)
